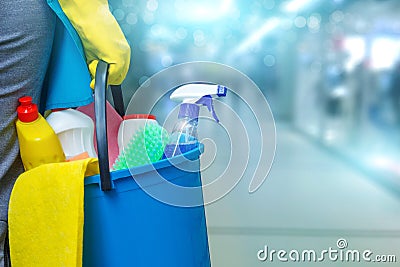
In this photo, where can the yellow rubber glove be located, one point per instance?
(101, 36)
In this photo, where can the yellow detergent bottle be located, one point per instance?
(37, 141)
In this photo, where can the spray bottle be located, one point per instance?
(193, 95)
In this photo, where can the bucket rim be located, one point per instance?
(140, 170)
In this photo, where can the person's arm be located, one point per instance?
(101, 36)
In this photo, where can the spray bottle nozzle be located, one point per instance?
(221, 91)
(208, 102)
(198, 94)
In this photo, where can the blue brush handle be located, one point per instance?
(101, 120)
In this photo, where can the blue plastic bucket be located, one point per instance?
(127, 227)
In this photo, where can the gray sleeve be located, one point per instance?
(26, 36)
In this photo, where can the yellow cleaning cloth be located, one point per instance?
(46, 215)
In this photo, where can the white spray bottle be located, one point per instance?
(193, 95)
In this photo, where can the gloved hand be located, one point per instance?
(101, 36)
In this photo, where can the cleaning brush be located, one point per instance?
(146, 146)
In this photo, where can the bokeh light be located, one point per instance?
(322, 65)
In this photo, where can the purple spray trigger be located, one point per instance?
(208, 102)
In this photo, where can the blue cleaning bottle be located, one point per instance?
(193, 95)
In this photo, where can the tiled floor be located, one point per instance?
(310, 200)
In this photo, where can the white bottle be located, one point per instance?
(75, 131)
(130, 125)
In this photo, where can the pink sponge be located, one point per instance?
(113, 122)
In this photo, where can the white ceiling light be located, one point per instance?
(294, 6)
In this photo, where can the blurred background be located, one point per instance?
(330, 71)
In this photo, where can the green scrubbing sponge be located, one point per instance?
(146, 146)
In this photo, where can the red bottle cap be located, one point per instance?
(27, 111)
(140, 116)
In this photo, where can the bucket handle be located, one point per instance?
(100, 87)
